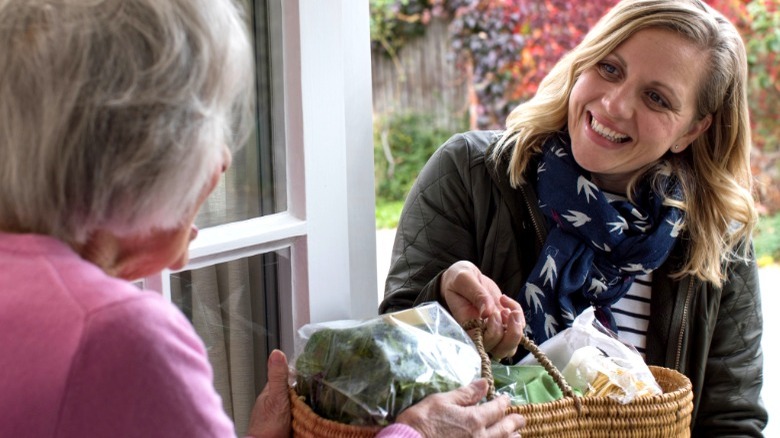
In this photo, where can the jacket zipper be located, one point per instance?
(533, 211)
(684, 323)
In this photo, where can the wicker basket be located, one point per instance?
(665, 415)
(307, 424)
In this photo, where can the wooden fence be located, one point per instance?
(424, 78)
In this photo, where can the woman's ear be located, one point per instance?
(697, 128)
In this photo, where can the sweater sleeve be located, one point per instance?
(398, 430)
(141, 371)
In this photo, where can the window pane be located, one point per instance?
(254, 185)
(234, 307)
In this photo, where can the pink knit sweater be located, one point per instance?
(83, 354)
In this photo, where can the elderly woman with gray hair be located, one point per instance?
(117, 119)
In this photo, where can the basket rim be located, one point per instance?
(304, 415)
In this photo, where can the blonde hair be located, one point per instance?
(714, 172)
(113, 113)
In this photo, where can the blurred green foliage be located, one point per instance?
(402, 145)
(387, 214)
(763, 50)
(394, 22)
(766, 240)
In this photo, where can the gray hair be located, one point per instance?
(114, 112)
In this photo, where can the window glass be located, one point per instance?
(234, 308)
(254, 185)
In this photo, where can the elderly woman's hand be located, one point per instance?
(271, 415)
(469, 294)
(453, 414)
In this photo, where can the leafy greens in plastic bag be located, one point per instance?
(367, 372)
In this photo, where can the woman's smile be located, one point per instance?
(607, 133)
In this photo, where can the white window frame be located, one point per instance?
(329, 225)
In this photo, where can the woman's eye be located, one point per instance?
(608, 69)
(657, 99)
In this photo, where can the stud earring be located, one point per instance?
(676, 147)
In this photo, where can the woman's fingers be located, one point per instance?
(503, 336)
(469, 294)
(514, 323)
(510, 304)
(455, 414)
(500, 424)
(270, 415)
(507, 427)
(464, 293)
(470, 394)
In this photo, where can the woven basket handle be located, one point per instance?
(476, 329)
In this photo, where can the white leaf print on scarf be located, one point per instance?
(639, 215)
(604, 247)
(549, 271)
(533, 295)
(549, 326)
(577, 218)
(618, 226)
(589, 187)
(676, 226)
(636, 267)
(597, 287)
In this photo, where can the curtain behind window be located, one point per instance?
(234, 309)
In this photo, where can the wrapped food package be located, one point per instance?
(367, 372)
(597, 375)
(595, 362)
(525, 384)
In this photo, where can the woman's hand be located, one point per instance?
(271, 415)
(454, 414)
(469, 294)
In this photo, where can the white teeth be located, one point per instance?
(606, 132)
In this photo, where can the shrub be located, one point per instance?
(402, 145)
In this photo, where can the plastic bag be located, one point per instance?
(367, 372)
(525, 384)
(595, 362)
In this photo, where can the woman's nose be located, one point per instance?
(619, 102)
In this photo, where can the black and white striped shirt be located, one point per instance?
(632, 313)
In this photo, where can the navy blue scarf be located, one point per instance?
(595, 248)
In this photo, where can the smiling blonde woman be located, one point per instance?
(623, 184)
